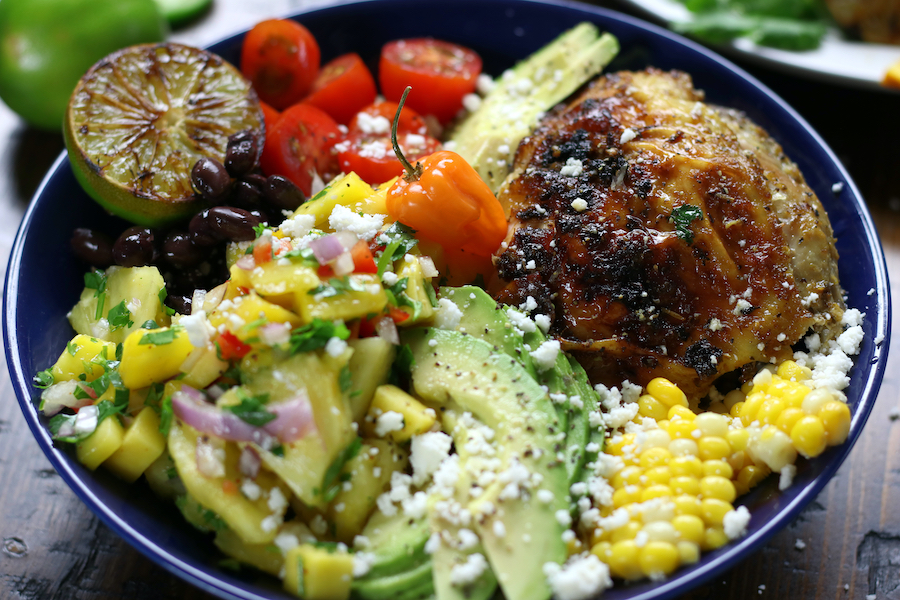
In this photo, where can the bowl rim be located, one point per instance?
(710, 565)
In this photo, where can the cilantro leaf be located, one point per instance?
(398, 239)
(163, 294)
(315, 335)
(252, 409)
(119, 316)
(401, 369)
(337, 286)
(43, 379)
(683, 216)
(160, 338)
(96, 280)
(166, 414)
(331, 482)
(345, 379)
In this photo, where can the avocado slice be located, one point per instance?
(488, 137)
(413, 584)
(517, 525)
(397, 543)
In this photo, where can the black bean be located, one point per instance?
(235, 224)
(93, 247)
(246, 195)
(256, 179)
(282, 193)
(135, 247)
(261, 216)
(179, 250)
(179, 302)
(242, 153)
(210, 179)
(201, 230)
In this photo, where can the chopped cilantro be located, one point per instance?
(72, 347)
(315, 335)
(119, 316)
(345, 379)
(105, 409)
(160, 338)
(43, 379)
(683, 216)
(331, 482)
(305, 254)
(165, 416)
(401, 370)
(335, 286)
(163, 294)
(96, 280)
(149, 324)
(278, 450)
(252, 409)
(432, 297)
(260, 229)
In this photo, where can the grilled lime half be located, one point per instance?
(140, 118)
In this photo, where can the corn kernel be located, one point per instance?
(815, 400)
(683, 412)
(657, 475)
(648, 406)
(683, 447)
(655, 491)
(774, 448)
(770, 410)
(575, 546)
(788, 418)
(625, 532)
(655, 457)
(835, 417)
(714, 448)
(627, 495)
(682, 429)
(688, 552)
(684, 485)
(658, 558)
(795, 394)
(751, 406)
(808, 436)
(739, 460)
(717, 408)
(630, 475)
(752, 475)
(690, 528)
(738, 439)
(623, 560)
(717, 467)
(740, 488)
(661, 531)
(714, 510)
(733, 397)
(687, 466)
(746, 387)
(688, 505)
(655, 438)
(735, 411)
(603, 551)
(666, 392)
(617, 444)
(715, 486)
(714, 537)
(791, 370)
(712, 424)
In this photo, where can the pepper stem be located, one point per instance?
(412, 173)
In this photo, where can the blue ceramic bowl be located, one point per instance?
(44, 280)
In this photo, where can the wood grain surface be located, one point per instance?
(845, 545)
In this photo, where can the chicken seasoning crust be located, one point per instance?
(665, 237)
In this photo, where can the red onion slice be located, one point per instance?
(246, 262)
(328, 247)
(294, 419)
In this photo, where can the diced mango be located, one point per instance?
(315, 573)
(265, 557)
(356, 296)
(349, 191)
(255, 521)
(76, 359)
(417, 418)
(350, 509)
(247, 314)
(207, 368)
(279, 283)
(101, 444)
(144, 362)
(138, 287)
(141, 445)
(238, 284)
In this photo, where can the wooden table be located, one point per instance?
(53, 547)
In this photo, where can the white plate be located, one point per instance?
(837, 60)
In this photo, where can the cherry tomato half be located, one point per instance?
(410, 121)
(270, 115)
(344, 86)
(371, 156)
(281, 58)
(439, 72)
(299, 146)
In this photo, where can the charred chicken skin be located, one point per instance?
(665, 236)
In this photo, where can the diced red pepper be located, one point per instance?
(231, 347)
(262, 251)
(363, 261)
(397, 314)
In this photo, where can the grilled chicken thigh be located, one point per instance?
(665, 236)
